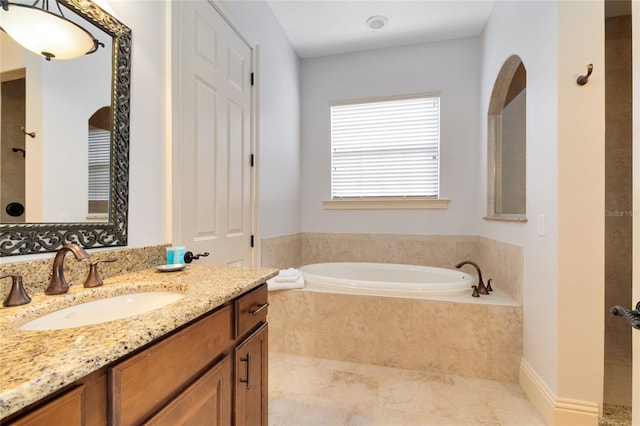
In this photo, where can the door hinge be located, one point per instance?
(252, 241)
(252, 79)
(251, 160)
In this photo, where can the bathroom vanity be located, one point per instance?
(200, 360)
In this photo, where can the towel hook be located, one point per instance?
(584, 79)
(32, 134)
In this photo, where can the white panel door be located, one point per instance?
(213, 178)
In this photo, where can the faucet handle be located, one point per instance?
(18, 295)
(489, 285)
(93, 279)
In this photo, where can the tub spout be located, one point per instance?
(482, 289)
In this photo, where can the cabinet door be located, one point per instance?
(65, 410)
(251, 387)
(206, 402)
(148, 380)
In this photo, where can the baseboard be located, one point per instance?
(538, 392)
(554, 410)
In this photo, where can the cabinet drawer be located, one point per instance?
(148, 380)
(251, 309)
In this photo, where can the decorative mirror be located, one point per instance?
(94, 157)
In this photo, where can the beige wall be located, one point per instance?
(581, 178)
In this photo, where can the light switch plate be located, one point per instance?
(542, 225)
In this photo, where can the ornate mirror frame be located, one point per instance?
(21, 239)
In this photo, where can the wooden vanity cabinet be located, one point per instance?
(206, 402)
(83, 403)
(251, 388)
(198, 375)
(251, 357)
(212, 371)
(67, 409)
(147, 381)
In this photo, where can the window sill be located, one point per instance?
(385, 204)
(98, 217)
(519, 219)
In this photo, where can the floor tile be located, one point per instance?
(307, 391)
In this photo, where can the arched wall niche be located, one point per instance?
(507, 141)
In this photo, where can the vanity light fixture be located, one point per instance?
(376, 22)
(45, 33)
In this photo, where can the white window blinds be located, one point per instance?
(99, 149)
(386, 148)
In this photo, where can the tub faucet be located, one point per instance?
(58, 285)
(482, 289)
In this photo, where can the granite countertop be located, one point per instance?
(33, 364)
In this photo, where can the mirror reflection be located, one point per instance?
(55, 134)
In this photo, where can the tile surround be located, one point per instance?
(498, 260)
(483, 341)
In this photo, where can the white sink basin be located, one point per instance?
(103, 310)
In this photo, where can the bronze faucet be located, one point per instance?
(58, 285)
(481, 289)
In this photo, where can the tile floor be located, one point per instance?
(616, 415)
(306, 391)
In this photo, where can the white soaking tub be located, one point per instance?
(386, 279)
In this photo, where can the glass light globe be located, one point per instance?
(46, 33)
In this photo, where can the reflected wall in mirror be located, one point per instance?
(70, 171)
(507, 143)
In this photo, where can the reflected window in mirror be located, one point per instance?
(99, 164)
(507, 143)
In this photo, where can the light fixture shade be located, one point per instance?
(45, 33)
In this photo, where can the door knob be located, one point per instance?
(632, 317)
(190, 257)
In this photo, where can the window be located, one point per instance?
(99, 173)
(386, 148)
(99, 163)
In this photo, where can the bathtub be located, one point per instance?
(398, 317)
(386, 279)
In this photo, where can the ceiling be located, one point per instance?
(329, 27)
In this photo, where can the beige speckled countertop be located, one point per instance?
(33, 364)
